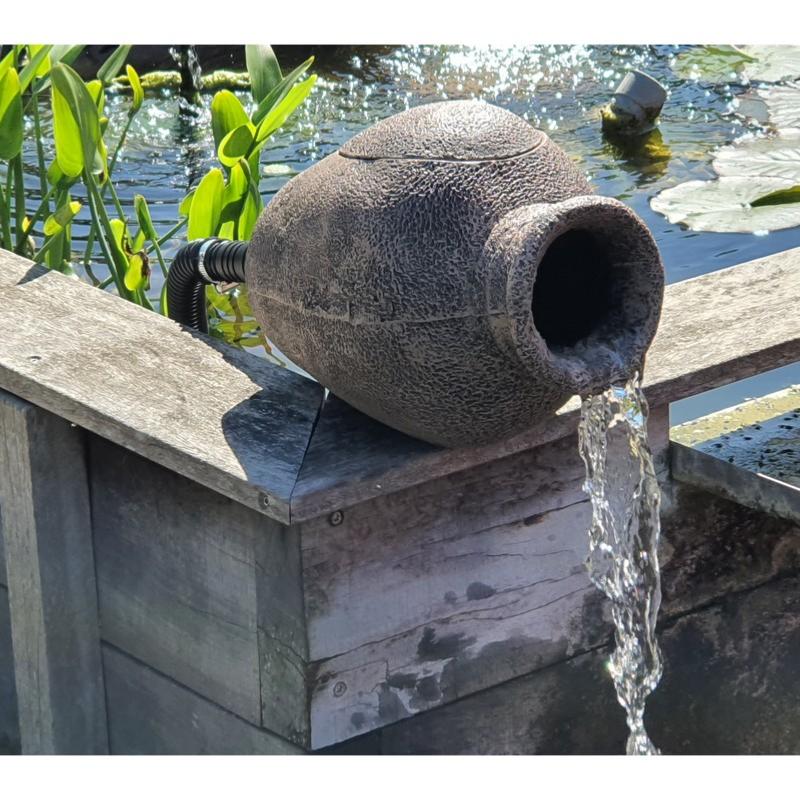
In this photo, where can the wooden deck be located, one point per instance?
(253, 570)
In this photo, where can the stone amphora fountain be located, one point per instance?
(450, 272)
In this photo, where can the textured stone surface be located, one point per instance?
(400, 272)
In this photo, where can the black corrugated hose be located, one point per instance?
(195, 266)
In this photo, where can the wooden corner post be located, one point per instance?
(46, 524)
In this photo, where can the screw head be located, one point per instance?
(340, 687)
(263, 501)
(336, 518)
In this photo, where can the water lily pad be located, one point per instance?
(711, 63)
(723, 63)
(724, 205)
(768, 157)
(773, 62)
(783, 104)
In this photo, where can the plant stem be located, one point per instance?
(37, 127)
(169, 234)
(19, 200)
(37, 256)
(115, 199)
(104, 233)
(120, 142)
(87, 254)
(5, 222)
(45, 204)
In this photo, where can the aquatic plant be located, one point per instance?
(727, 63)
(225, 203)
(758, 188)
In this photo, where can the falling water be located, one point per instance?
(623, 542)
(185, 56)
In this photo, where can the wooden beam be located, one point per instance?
(715, 329)
(9, 721)
(229, 421)
(176, 576)
(432, 593)
(149, 714)
(749, 453)
(52, 593)
(241, 426)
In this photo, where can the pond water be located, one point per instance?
(557, 88)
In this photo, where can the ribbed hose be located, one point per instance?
(222, 262)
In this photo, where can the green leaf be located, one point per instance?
(65, 53)
(281, 112)
(11, 129)
(783, 104)
(236, 144)
(185, 207)
(162, 301)
(113, 64)
(38, 55)
(233, 200)
(712, 63)
(280, 91)
(95, 89)
(265, 73)
(250, 213)
(207, 205)
(119, 236)
(768, 156)
(778, 198)
(731, 205)
(227, 113)
(144, 218)
(6, 63)
(76, 123)
(136, 88)
(138, 273)
(56, 222)
(60, 54)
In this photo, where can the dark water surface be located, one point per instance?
(556, 88)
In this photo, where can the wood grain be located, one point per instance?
(440, 590)
(282, 640)
(251, 423)
(226, 419)
(149, 714)
(715, 329)
(176, 576)
(51, 582)
(9, 721)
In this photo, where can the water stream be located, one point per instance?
(623, 542)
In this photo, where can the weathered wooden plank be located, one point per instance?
(751, 489)
(3, 579)
(428, 594)
(176, 576)
(543, 613)
(398, 677)
(749, 453)
(9, 720)
(226, 419)
(282, 640)
(150, 714)
(715, 329)
(50, 570)
(729, 687)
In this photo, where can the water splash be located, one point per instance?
(185, 56)
(623, 542)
